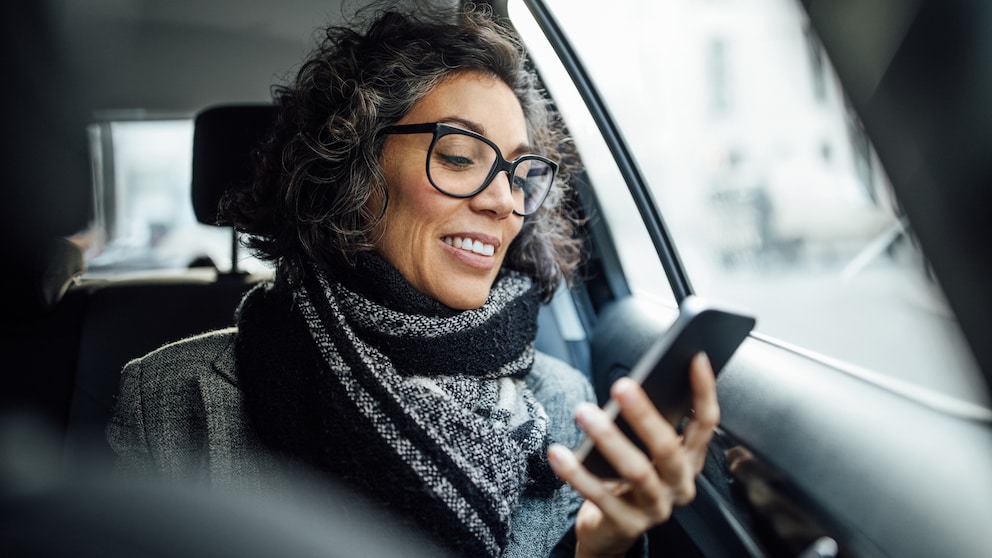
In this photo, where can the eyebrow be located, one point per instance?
(522, 149)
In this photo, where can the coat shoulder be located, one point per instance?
(194, 357)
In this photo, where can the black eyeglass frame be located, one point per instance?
(500, 164)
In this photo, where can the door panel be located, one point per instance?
(880, 472)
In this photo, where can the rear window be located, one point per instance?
(143, 213)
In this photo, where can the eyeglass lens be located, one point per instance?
(460, 164)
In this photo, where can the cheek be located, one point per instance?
(403, 181)
(515, 225)
(413, 213)
(414, 200)
(396, 199)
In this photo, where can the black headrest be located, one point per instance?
(223, 139)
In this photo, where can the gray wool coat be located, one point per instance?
(180, 416)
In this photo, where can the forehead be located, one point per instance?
(481, 102)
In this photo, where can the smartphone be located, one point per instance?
(663, 371)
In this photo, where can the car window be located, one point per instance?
(143, 213)
(642, 269)
(771, 190)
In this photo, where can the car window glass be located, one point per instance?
(771, 190)
(143, 213)
(643, 270)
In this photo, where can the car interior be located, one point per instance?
(813, 457)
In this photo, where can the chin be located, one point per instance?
(464, 300)
(464, 292)
(462, 303)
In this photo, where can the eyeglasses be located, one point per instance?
(461, 163)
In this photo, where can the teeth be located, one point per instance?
(470, 245)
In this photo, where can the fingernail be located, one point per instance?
(701, 359)
(560, 456)
(590, 416)
(622, 388)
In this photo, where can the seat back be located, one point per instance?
(123, 321)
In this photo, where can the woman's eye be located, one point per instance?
(455, 160)
(519, 182)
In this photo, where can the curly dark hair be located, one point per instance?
(319, 189)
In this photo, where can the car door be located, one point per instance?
(850, 425)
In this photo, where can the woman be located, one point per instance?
(412, 201)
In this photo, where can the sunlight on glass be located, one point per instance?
(772, 192)
(144, 210)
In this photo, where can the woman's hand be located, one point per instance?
(617, 512)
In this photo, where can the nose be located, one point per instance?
(495, 197)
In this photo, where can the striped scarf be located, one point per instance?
(421, 408)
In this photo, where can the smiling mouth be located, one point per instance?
(470, 245)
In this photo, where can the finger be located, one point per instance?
(626, 458)
(588, 485)
(660, 439)
(672, 477)
(698, 432)
(706, 416)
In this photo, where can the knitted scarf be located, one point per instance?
(421, 408)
